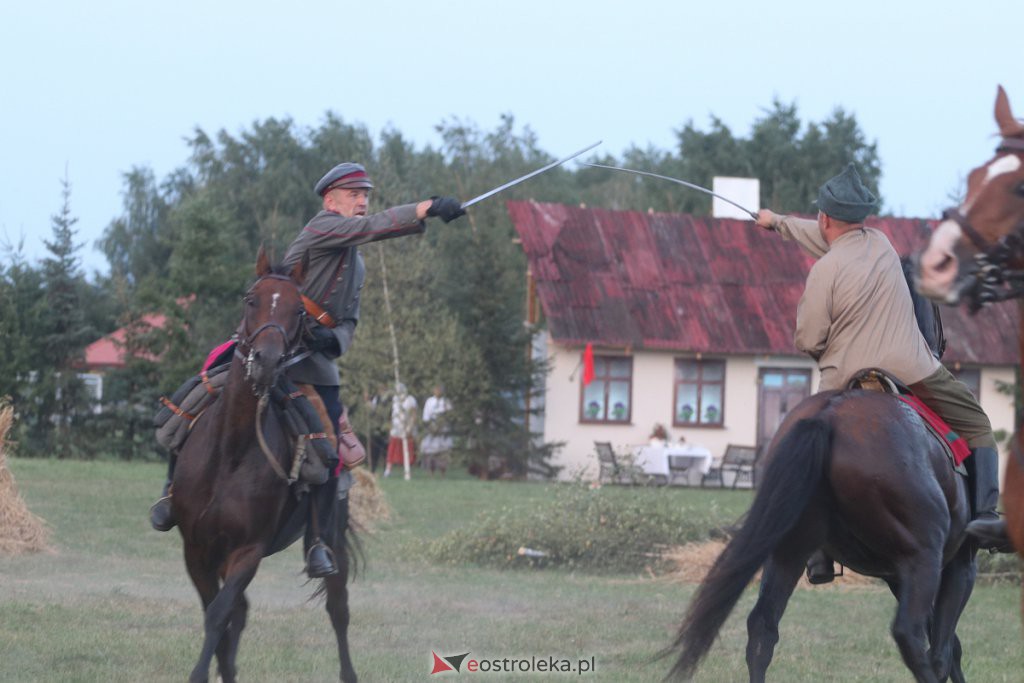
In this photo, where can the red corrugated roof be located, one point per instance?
(109, 351)
(697, 284)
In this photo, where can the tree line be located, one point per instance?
(184, 247)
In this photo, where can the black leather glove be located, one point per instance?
(322, 340)
(446, 208)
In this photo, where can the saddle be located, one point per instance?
(876, 379)
(302, 412)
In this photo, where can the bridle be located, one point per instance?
(992, 280)
(244, 349)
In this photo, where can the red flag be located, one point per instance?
(588, 364)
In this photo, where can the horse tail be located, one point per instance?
(791, 479)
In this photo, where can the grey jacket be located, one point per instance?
(336, 274)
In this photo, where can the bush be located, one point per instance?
(610, 529)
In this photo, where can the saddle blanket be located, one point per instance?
(955, 442)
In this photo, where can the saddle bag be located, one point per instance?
(174, 420)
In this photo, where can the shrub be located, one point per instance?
(610, 529)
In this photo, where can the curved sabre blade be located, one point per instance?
(509, 184)
(675, 180)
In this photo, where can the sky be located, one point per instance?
(89, 91)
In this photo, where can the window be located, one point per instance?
(700, 393)
(608, 398)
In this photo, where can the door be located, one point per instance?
(779, 390)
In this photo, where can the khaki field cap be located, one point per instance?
(346, 175)
(846, 198)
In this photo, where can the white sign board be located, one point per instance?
(744, 191)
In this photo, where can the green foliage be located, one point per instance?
(601, 530)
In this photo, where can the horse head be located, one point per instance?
(988, 265)
(272, 322)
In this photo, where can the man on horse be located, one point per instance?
(856, 312)
(331, 291)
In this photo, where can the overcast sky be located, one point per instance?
(94, 89)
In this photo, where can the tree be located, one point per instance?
(60, 400)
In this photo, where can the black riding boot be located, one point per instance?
(160, 514)
(820, 568)
(987, 527)
(319, 557)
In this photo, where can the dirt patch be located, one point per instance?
(693, 561)
(20, 530)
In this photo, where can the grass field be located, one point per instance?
(114, 602)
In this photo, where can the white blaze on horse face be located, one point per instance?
(1001, 166)
(939, 266)
(273, 302)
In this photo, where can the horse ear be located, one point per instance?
(1009, 127)
(262, 263)
(298, 273)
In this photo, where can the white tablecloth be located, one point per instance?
(654, 459)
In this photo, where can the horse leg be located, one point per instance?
(337, 609)
(916, 591)
(957, 585)
(241, 567)
(227, 650)
(781, 573)
(204, 578)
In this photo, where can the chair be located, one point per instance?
(738, 461)
(610, 471)
(679, 469)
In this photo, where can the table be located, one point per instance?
(653, 460)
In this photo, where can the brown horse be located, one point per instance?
(857, 473)
(230, 504)
(988, 265)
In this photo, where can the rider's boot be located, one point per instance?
(160, 514)
(820, 568)
(319, 558)
(988, 528)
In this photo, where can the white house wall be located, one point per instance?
(653, 373)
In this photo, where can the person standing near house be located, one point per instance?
(437, 442)
(331, 290)
(403, 429)
(856, 312)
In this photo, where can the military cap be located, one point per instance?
(846, 198)
(346, 174)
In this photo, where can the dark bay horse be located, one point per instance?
(228, 500)
(857, 473)
(976, 256)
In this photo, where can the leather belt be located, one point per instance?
(317, 311)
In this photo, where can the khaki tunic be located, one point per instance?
(336, 274)
(856, 310)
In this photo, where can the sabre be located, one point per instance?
(509, 184)
(676, 180)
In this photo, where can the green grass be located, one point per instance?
(114, 603)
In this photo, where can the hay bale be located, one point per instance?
(367, 504)
(20, 530)
(693, 561)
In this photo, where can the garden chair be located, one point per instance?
(738, 461)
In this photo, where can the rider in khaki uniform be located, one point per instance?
(856, 312)
(332, 286)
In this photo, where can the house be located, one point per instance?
(691, 321)
(110, 352)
